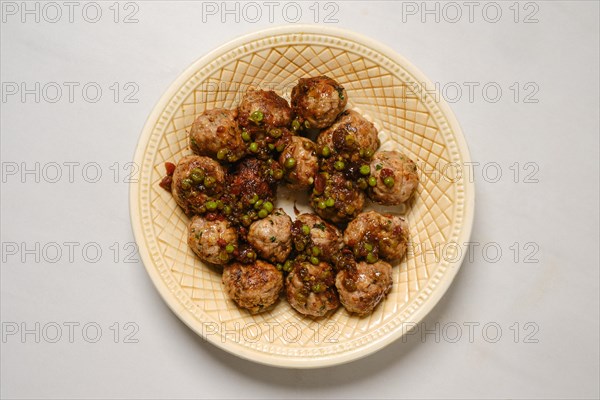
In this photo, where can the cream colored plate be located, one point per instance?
(384, 87)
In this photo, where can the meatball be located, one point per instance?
(351, 137)
(336, 198)
(196, 180)
(374, 235)
(261, 108)
(323, 235)
(310, 289)
(271, 236)
(318, 101)
(215, 133)
(251, 181)
(364, 288)
(300, 162)
(396, 177)
(255, 287)
(211, 240)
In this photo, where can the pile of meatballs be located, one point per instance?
(228, 187)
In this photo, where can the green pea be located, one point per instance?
(196, 178)
(325, 151)
(295, 124)
(257, 116)
(365, 169)
(271, 146)
(316, 251)
(268, 206)
(314, 260)
(287, 266)
(186, 184)
(389, 182)
(339, 165)
(280, 147)
(276, 133)
(226, 210)
(263, 213)
(254, 199)
(230, 248)
(322, 205)
(372, 181)
(251, 255)
(224, 256)
(246, 136)
(278, 174)
(258, 204)
(371, 258)
(349, 139)
(211, 205)
(307, 124)
(368, 247)
(198, 171)
(209, 181)
(305, 229)
(246, 220)
(279, 266)
(330, 202)
(289, 163)
(222, 154)
(253, 147)
(368, 153)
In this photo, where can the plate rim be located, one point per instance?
(235, 348)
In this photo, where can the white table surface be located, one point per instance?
(547, 309)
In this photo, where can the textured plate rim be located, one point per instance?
(275, 359)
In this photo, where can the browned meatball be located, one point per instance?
(271, 236)
(300, 162)
(261, 108)
(215, 133)
(323, 235)
(209, 239)
(363, 289)
(374, 235)
(351, 137)
(255, 287)
(396, 176)
(251, 181)
(310, 289)
(318, 101)
(336, 198)
(196, 180)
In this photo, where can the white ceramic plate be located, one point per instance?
(388, 90)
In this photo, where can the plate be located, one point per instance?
(410, 116)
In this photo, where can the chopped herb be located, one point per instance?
(320, 226)
(273, 239)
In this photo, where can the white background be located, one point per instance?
(557, 294)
